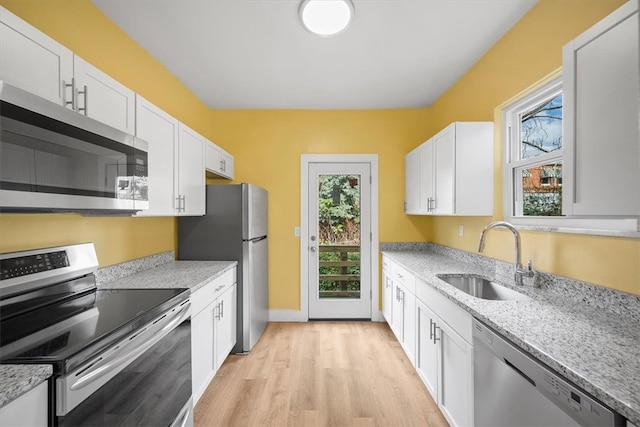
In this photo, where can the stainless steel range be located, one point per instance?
(120, 357)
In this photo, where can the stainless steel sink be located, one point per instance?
(480, 287)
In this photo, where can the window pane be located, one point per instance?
(542, 190)
(339, 236)
(541, 128)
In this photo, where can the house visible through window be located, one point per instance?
(535, 153)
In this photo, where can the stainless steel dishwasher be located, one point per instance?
(513, 389)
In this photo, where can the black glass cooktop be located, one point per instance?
(70, 331)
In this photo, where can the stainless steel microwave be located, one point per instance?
(53, 159)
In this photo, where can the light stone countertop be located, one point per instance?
(19, 379)
(594, 348)
(176, 274)
(16, 380)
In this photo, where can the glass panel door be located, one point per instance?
(339, 236)
(339, 253)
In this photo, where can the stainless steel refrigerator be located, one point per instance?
(234, 228)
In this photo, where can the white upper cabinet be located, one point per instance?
(32, 60)
(452, 173)
(412, 181)
(218, 161)
(190, 185)
(601, 87)
(160, 130)
(102, 98)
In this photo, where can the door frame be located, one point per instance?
(305, 160)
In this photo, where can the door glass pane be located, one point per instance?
(542, 190)
(541, 128)
(339, 236)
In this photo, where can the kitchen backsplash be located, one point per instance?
(566, 289)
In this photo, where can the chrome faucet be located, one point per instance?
(520, 270)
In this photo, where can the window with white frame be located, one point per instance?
(533, 167)
(534, 153)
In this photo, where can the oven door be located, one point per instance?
(144, 380)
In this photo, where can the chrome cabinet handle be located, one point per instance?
(73, 93)
(432, 331)
(222, 309)
(216, 311)
(430, 207)
(181, 203)
(85, 92)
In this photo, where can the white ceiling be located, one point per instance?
(254, 54)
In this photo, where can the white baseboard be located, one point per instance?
(299, 316)
(287, 316)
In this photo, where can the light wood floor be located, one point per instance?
(319, 374)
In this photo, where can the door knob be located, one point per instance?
(312, 248)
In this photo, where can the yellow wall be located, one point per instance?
(81, 27)
(526, 54)
(267, 146)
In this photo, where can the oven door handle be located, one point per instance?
(115, 360)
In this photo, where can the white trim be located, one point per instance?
(287, 316)
(305, 160)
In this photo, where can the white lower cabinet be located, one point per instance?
(28, 410)
(387, 292)
(444, 358)
(426, 349)
(213, 329)
(436, 336)
(403, 306)
(404, 323)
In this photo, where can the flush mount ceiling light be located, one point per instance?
(326, 17)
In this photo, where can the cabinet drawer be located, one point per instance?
(456, 317)
(407, 279)
(208, 293)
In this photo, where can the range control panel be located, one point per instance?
(31, 264)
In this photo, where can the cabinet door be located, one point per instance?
(427, 177)
(412, 182)
(28, 410)
(202, 350)
(444, 161)
(32, 60)
(409, 325)
(397, 326)
(160, 130)
(102, 98)
(190, 170)
(387, 295)
(227, 164)
(455, 377)
(225, 325)
(474, 168)
(426, 349)
(601, 96)
(212, 161)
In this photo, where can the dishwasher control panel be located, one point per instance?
(577, 404)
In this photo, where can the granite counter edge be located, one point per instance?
(17, 380)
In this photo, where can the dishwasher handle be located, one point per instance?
(522, 374)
